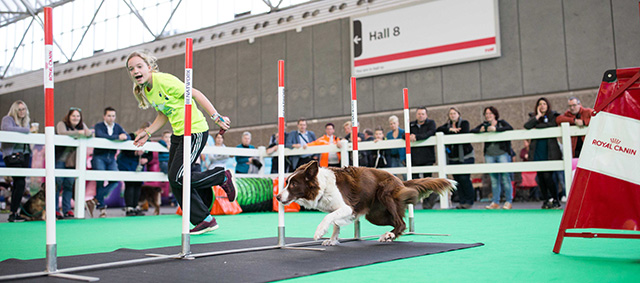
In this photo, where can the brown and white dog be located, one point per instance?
(350, 192)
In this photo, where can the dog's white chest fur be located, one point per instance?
(329, 198)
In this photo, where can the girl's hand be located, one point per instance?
(222, 121)
(491, 129)
(141, 139)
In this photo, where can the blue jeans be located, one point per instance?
(500, 180)
(164, 166)
(394, 161)
(104, 162)
(65, 184)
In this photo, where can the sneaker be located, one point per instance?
(507, 205)
(130, 211)
(91, 205)
(555, 205)
(15, 217)
(103, 212)
(546, 204)
(493, 205)
(69, 214)
(228, 186)
(204, 227)
(138, 211)
(59, 215)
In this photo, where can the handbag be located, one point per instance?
(16, 159)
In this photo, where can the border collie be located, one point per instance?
(347, 193)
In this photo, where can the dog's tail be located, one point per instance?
(421, 188)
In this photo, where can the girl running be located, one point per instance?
(165, 93)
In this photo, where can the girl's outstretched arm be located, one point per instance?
(143, 136)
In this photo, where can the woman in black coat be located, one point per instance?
(497, 152)
(545, 149)
(460, 154)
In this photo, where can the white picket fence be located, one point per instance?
(439, 141)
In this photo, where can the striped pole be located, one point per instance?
(280, 150)
(407, 138)
(49, 132)
(354, 141)
(186, 154)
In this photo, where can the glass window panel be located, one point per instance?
(99, 30)
(115, 26)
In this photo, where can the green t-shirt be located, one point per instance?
(167, 96)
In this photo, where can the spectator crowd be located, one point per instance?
(18, 155)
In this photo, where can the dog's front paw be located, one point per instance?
(319, 233)
(330, 242)
(387, 237)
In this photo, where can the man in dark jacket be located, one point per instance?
(299, 139)
(104, 159)
(421, 129)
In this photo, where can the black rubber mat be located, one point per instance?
(253, 266)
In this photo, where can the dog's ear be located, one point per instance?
(312, 170)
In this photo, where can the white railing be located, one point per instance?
(439, 141)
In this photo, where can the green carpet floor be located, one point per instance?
(517, 247)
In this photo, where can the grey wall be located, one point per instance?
(547, 46)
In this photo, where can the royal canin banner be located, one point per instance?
(612, 147)
(605, 193)
(607, 181)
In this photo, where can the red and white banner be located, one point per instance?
(612, 147)
(605, 192)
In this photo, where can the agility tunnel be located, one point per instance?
(255, 194)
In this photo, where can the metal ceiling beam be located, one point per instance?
(273, 8)
(39, 20)
(37, 11)
(16, 49)
(169, 20)
(87, 29)
(134, 10)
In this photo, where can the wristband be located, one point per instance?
(148, 134)
(216, 117)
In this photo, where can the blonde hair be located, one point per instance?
(138, 90)
(13, 112)
(393, 118)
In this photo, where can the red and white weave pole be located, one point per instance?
(407, 138)
(280, 150)
(49, 132)
(186, 154)
(354, 121)
(354, 141)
